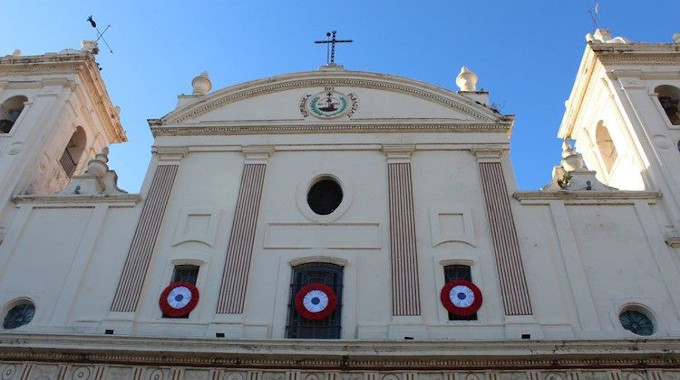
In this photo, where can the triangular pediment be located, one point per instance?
(334, 97)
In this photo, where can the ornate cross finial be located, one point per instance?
(330, 40)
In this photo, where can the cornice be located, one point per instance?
(578, 92)
(77, 200)
(618, 57)
(46, 63)
(321, 79)
(636, 48)
(608, 54)
(342, 355)
(75, 62)
(102, 102)
(348, 127)
(71, 56)
(586, 197)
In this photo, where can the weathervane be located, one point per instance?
(593, 15)
(330, 40)
(100, 35)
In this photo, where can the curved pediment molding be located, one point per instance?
(221, 98)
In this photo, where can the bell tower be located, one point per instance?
(623, 114)
(55, 115)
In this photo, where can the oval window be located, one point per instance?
(324, 196)
(636, 322)
(19, 315)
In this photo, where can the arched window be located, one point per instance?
(458, 272)
(73, 151)
(669, 97)
(10, 111)
(314, 309)
(605, 145)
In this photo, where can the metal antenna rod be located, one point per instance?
(593, 15)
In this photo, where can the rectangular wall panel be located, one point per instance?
(332, 236)
(240, 249)
(506, 245)
(144, 239)
(405, 288)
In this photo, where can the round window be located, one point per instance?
(19, 315)
(636, 322)
(324, 196)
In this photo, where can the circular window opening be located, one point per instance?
(636, 322)
(324, 196)
(19, 315)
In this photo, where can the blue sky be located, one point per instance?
(526, 53)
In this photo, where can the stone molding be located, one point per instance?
(673, 241)
(257, 154)
(277, 127)
(321, 79)
(488, 154)
(398, 152)
(586, 197)
(80, 63)
(69, 200)
(342, 355)
(170, 155)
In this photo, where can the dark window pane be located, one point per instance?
(18, 316)
(324, 196)
(327, 328)
(636, 322)
(458, 272)
(185, 273)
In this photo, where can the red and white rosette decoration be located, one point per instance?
(315, 301)
(461, 297)
(178, 299)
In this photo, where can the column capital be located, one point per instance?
(170, 155)
(257, 154)
(398, 152)
(487, 154)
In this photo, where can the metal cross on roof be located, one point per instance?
(330, 40)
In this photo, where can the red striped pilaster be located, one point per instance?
(241, 240)
(143, 242)
(514, 289)
(404, 255)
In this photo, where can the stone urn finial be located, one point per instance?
(98, 166)
(571, 159)
(201, 84)
(466, 80)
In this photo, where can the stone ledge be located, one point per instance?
(341, 355)
(586, 196)
(70, 200)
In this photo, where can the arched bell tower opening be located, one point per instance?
(10, 111)
(605, 146)
(74, 151)
(669, 97)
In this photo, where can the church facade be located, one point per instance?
(341, 225)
